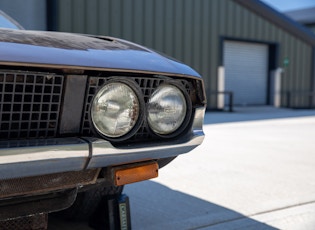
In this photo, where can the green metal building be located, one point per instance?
(239, 46)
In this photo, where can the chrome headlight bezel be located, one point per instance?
(138, 94)
(187, 117)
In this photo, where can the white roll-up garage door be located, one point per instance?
(246, 69)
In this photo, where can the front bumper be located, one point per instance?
(39, 157)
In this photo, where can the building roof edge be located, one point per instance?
(279, 19)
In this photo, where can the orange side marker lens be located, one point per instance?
(128, 175)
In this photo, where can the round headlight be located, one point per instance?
(115, 110)
(167, 109)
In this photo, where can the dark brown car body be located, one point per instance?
(49, 150)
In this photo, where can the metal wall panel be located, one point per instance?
(191, 31)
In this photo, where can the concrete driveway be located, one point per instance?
(255, 170)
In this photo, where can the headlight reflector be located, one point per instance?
(115, 110)
(167, 109)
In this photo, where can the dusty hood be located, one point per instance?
(66, 49)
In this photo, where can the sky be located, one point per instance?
(288, 5)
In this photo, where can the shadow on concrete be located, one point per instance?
(254, 114)
(155, 206)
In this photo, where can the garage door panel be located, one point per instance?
(246, 67)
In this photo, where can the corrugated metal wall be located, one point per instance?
(191, 31)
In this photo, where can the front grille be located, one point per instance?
(29, 104)
(41, 184)
(33, 222)
(147, 86)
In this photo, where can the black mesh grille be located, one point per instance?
(38, 222)
(30, 104)
(42, 184)
(147, 86)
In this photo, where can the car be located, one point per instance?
(83, 115)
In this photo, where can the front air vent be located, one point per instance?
(29, 104)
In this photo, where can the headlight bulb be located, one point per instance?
(166, 109)
(115, 109)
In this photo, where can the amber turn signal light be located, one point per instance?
(135, 173)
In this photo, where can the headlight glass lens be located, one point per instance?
(115, 110)
(166, 109)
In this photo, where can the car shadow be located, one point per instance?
(155, 206)
(254, 113)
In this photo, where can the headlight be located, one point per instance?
(115, 110)
(167, 109)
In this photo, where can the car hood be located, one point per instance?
(67, 49)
